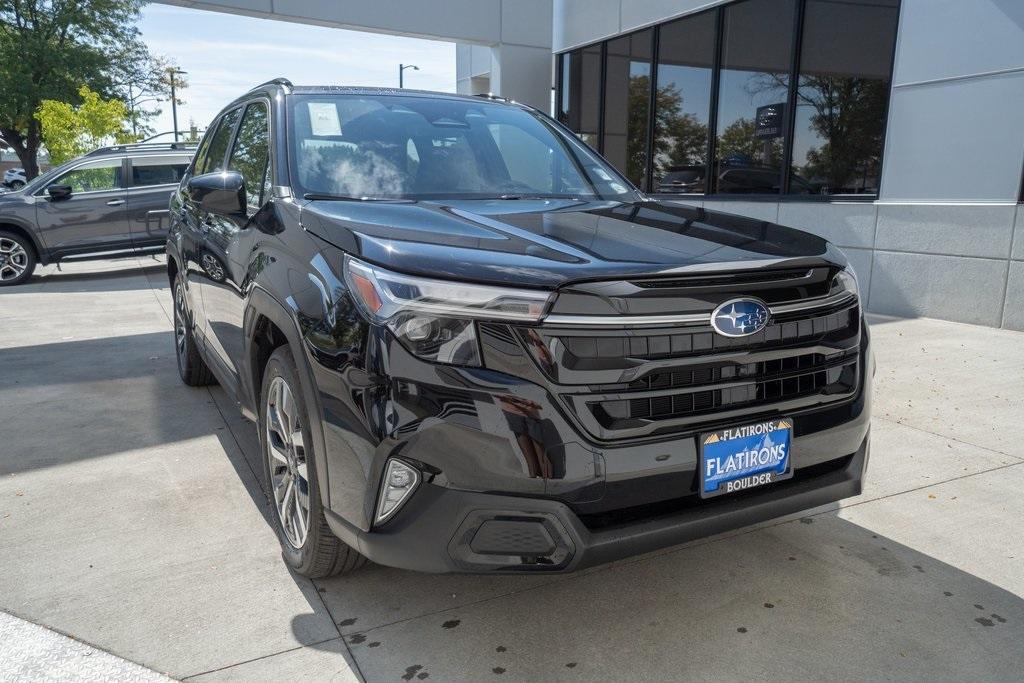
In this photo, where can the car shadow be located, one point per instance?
(821, 596)
(813, 599)
(128, 278)
(74, 390)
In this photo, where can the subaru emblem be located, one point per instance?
(740, 317)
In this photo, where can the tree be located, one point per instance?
(847, 115)
(142, 79)
(636, 127)
(49, 49)
(738, 141)
(849, 119)
(680, 139)
(70, 131)
(687, 140)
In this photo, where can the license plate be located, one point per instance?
(741, 458)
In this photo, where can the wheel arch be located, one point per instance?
(172, 267)
(268, 325)
(42, 257)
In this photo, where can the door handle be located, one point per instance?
(115, 202)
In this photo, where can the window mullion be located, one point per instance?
(710, 177)
(794, 84)
(602, 86)
(651, 114)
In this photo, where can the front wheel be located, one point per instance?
(307, 543)
(17, 184)
(17, 259)
(191, 366)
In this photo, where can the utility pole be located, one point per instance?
(401, 73)
(131, 112)
(174, 99)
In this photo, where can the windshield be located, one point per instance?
(413, 147)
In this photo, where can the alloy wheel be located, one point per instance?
(286, 454)
(13, 259)
(180, 331)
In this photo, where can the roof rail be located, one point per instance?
(284, 82)
(154, 146)
(492, 96)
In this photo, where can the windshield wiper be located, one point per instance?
(512, 197)
(349, 198)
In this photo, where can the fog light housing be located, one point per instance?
(399, 481)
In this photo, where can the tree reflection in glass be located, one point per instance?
(846, 59)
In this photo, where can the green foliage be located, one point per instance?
(636, 131)
(50, 48)
(70, 131)
(737, 140)
(680, 137)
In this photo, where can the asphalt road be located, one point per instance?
(132, 519)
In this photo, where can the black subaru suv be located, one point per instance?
(112, 202)
(471, 345)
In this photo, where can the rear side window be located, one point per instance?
(214, 159)
(252, 153)
(158, 171)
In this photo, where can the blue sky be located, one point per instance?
(225, 55)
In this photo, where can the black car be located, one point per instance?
(111, 202)
(470, 345)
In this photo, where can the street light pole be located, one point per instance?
(174, 100)
(401, 73)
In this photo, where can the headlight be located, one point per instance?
(434, 319)
(846, 281)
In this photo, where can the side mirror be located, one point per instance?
(221, 193)
(59, 191)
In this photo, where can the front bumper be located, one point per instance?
(504, 494)
(446, 530)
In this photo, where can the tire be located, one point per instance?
(193, 369)
(307, 543)
(17, 259)
(17, 184)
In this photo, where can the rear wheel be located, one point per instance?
(307, 543)
(17, 259)
(17, 184)
(191, 366)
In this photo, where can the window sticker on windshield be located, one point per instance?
(323, 118)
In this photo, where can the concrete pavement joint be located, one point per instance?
(948, 438)
(259, 482)
(262, 657)
(671, 551)
(156, 296)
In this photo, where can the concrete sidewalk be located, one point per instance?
(132, 518)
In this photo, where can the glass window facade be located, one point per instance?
(753, 86)
(756, 98)
(842, 95)
(686, 60)
(627, 103)
(580, 98)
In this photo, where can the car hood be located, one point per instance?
(13, 198)
(548, 243)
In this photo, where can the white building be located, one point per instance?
(892, 127)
